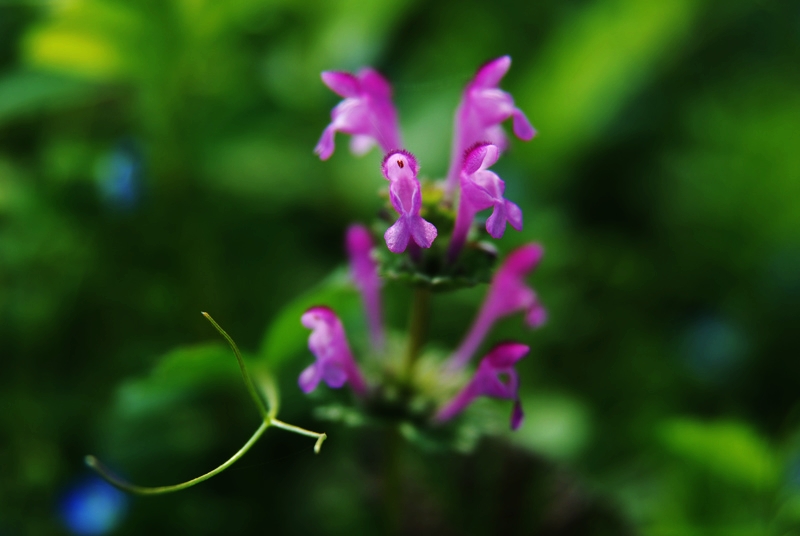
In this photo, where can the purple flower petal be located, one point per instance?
(522, 127)
(325, 145)
(374, 84)
(516, 415)
(399, 163)
(508, 294)
(343, 84)
(482, 109)
(513, 215)
(482, 189)
(490, 73)
(309, 378)
(495, 378)
(400, 169)
(506, 355)
(486, 155)
(360, 145)
(334, 362)
(364, 272)
(536, 316)
(366, 113)
(397, 236)
(333, 375)
(423, 232)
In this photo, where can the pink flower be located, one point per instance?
(400, 169)
(366, 113)
(496, 378)
(483, 107)
(482, 189)
(508, 294)
(334, 362)
(364, 272)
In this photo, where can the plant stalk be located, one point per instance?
(418, 328)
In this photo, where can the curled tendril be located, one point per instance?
(268, 413)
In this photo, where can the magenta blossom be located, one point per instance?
(495, 378)
(364, 273)
(335, 364)
(482, 108)
(482, 189)
(508, 293)
(366, 113)
(400, 169)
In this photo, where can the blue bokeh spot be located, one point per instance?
(93, 507)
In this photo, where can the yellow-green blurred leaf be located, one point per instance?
(732, 450)
(556, 426)
(26, 92)
(593, 65)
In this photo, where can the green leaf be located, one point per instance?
(159, 412)
(789, 512)
(730, 449)
(286, 337)
(178, 373)
(30, 92)
(592, 67)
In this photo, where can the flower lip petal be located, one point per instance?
(309, 378)
(397, 236)
(334, 375)
(522, 127)
(423, 232)
(496, 222)
(325, 146)
(536, 315)
(514, 215)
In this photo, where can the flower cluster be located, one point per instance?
(368, 115)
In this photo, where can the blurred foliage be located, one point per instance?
(156, 160)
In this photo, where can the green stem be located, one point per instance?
(418, 327)
(268, 419)
(392, 481)
(95, 464)
(248, 381)
(103, 471)
(302, 431)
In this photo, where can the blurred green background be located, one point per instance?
(156, 160)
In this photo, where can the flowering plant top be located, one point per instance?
(431, 244)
